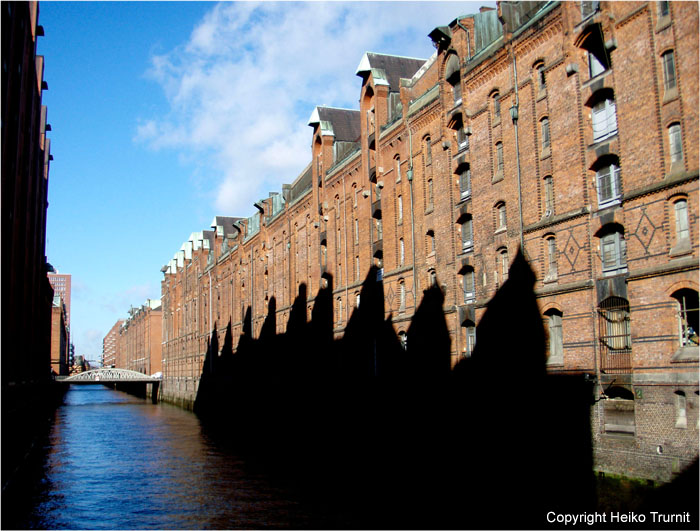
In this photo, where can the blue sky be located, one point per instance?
(165, 114)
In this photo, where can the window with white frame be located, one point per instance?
(465, 182)
(467, 234)
(468, 286)
(399, 208)
(604, 119)
(680, 209)
(608, 182)
(401, 252)
(462, 138)
(613, 249)
(397, 167)
(675, 142)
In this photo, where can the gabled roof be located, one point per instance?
(395, 67)
(344, 124)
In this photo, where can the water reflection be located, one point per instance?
(119, 462)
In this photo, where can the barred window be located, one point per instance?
(615, 334)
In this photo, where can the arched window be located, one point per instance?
(324, 253)
(432, 277)
(680, 211)
(399, 208)
(496, 106)
(593, 42)
(397, 167)
(468, 285)
(465, 182)
(548, 196)
(687, 311)
(402, 252)
(340, 310)
(615, 335)
(452, 76)
(608, 181)
(502, 265)
(551, 245)
(430, 193)
(500, 216)
(469, 338)
(467, 233)
(675, 142)
(428, 151)
(541, 79)
(613, 249)
(544, 127)
(402, 295)
(430, 242)
(668, 61)
(499, 158)
(357, 268)
(604, 116)
(555, 347)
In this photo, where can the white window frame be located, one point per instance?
(608, 177)
(613, 252)
(604, 119)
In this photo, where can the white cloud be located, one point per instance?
(241, 89)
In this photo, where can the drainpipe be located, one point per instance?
(211, 357)
(514, 117)
(469, 43)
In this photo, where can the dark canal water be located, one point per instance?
(114, 461)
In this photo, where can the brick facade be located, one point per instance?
(110, 343)
(571, 134)
(138, 344)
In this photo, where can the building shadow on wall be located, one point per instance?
(384, 437)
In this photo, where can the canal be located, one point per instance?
(114, 461)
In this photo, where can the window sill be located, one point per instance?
(554, 361)
(496, 121)
(498, 176)
(682, 248)
(614, 272)
(686, 353)
(541, 94)
(663, 23)
(670, 95)
(546, 152)
(550, 278)
(430, 209)
(609, 204)
(500, 230)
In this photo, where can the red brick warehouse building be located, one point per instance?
(569, 129)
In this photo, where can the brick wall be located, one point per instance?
(332, 222)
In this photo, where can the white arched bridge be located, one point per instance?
(109, 375)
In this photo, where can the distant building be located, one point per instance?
(59, 338)
(61, 285)
(138, 345)
(109, 345)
